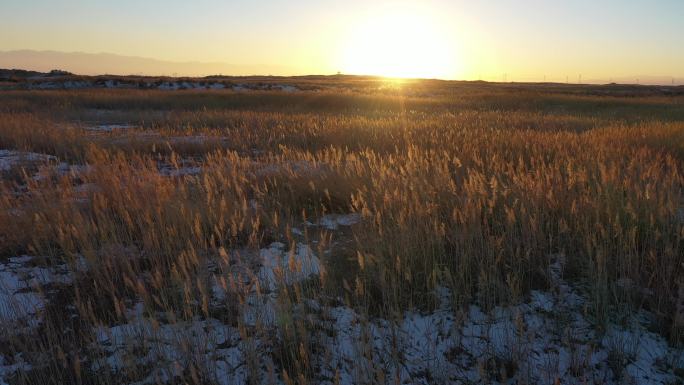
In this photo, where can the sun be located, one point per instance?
(400, 44)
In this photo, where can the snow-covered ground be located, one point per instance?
(109, 127)
(547, 338)
(334, 221)
(168, 170)
(10, 159)
(169, 85)
(22, 288)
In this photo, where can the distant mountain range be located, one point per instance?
(111, 64)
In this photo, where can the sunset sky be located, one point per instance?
(525, 39)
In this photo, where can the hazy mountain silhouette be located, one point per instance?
(106, 63)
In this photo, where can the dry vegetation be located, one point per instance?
(474, 190)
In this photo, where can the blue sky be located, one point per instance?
(523, 38)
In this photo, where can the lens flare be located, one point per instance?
(401, 44)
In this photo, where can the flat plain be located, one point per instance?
(340, 230)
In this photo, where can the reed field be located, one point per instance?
(342, 230)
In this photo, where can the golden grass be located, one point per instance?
(474, 192)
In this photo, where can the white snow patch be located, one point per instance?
(109, 127)
(196, 139)
(287, 267)
(275, 266)
(186, 166)
(260, 309)
(334, 221)
(77, 84)
(44, 85)
(285, 88)
(10, 159)
(216, 86)
(73, 169)
(264, 87)
(57, 84)
(22, 287)
(171, 348)
(169, 86)
(180, 171)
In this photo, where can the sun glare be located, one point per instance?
(400, 44)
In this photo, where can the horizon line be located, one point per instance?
(501, 78)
